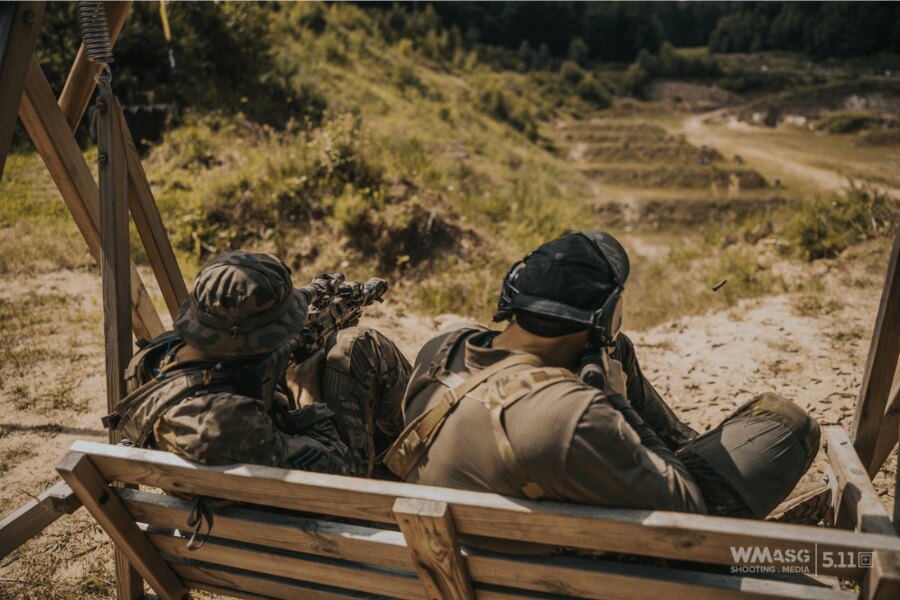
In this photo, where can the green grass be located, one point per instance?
(848, 122)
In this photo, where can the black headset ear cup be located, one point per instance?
(508, 290)
(608, 321)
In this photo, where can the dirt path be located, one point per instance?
(762, 149)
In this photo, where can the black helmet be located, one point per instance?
(570, 284)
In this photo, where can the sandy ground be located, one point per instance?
(704, 366)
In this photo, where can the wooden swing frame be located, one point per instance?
(101, 213)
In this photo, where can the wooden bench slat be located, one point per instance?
(251, 585)
(378, 547)
(656, 533)
(580, 577)
(606, 580)
(290, 565)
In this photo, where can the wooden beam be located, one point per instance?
(94, 492)
(250, 585)
(599, 579)
(24, 28)
(434, 548)
(50, 134)
(35, 516)
(887, 432)
(897, 495)
(378, 547)
(114, 263)
(150, 226)
(294, 566)
(857, 504)
(80, 84)
(883, 580)
(682, 536)
(115, 255)
(880, 366)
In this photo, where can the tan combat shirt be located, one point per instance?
(567, 437)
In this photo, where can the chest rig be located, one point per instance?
(496, 388)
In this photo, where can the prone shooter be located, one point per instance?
(217, 388)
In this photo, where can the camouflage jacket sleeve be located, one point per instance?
(223, 427)
(608, 464)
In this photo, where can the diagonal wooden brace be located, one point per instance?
(54, 141)
(872, 411)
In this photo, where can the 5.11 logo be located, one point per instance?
(763, 559)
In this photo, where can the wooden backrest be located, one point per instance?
(402, 540)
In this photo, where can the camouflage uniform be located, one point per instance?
(243, 306)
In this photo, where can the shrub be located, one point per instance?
(591, 90)
(668, 64)
(571, 72)
(823, 228)
(404, 76)
(848, 122)
(497, 103)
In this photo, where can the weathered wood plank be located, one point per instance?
(291, 565)
(880, 366)
(150, 227)
(249, 584)
(80, 84)
(52, 138)
(434, 547)
(36, 515)
(857, 504)
(608, 580)
(655, 533)
(114, 256)
(897, 495)
(887, 433)
(114, 263)
(377, 547)
(587, 578)
(16, 55)
(90, 487)
(883, 580)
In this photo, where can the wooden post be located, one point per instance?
(54, 141)
(16, 49)
(880, 366)
(80, 84)
(114, 271)
(430, 535)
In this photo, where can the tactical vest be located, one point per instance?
(155, 383)
(496, 388)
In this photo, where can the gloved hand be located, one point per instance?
(303, 380)
(604, 373)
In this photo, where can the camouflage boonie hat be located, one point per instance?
(243, 303)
